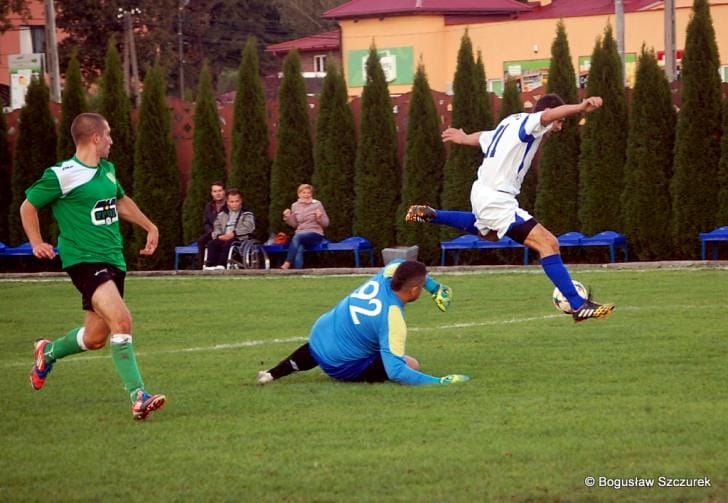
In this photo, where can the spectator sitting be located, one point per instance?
(308, 217)
(212, 209)
(234, 223)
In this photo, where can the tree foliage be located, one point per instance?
(156, 176)
(424, 162)
(697, 145)
(484, 109)
(463, 161)
(208, 159)
(10, 8)
(251, 162)
(377, 179)
(335, 154)
(558, 166)
(6, 194)
(646, 197)
(35, 151)
(722, 214)
(73, 102)
(293, 164)
(604, 141)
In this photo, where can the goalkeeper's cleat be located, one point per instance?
(264, 377)
(420, 214)
(454, 378)
(41, 369)
(146, 403)
(591, 309)
(442, 297)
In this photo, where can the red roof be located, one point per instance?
(370, 8)
(327, 41)
(575, 8)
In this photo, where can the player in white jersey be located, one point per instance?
(508, 151)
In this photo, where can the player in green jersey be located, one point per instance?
(87, 202)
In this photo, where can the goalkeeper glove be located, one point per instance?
(454, 378)
(442, 297)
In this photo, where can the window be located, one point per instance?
(32, 39)
(724, 73)
(319, 63)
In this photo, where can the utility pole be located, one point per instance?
(181, 48)
(133, 56)
(52, 51)
(670, 67)
(619, 15)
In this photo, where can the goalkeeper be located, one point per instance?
(363, 338)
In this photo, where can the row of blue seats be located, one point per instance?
(354, 244)
(610, 239)
(17, 251)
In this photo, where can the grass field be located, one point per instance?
(640, 394)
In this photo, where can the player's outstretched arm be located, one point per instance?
(587, 105)
(129, 211)
(441, 294)
(460, 137)
(31, 225)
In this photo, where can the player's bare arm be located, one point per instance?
(31, 225)
(587, 105)
(129, 211)
(460, 137)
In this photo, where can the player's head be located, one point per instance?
(548, 101)
(92, 129)
(409, 280)
(234, 199)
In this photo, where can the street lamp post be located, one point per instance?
(181, 49)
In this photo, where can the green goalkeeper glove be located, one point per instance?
(442, 297)
(454, 378)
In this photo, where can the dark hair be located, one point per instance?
(548, 101)
(406, 273)
(218, 183)
(233, 192)
(86, 125)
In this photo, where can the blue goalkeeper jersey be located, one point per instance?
(367, 323)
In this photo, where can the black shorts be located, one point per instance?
(374, 372)
(520, 230)
(88, 277)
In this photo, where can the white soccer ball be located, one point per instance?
(562, 304)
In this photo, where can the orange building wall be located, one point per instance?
(513, 40)
(10, 40)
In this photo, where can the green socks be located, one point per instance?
(69, 344)
(122, 353)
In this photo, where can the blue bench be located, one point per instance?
(24, 250)
(471, 242)
(714, 236)
(610, 239)
(355, 244)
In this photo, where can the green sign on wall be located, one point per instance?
(397, 63)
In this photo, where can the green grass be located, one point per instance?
(640, 394)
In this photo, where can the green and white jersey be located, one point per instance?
(83, 201)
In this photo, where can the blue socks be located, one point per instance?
(560, 277)
(461, 220)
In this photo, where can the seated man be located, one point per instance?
(231, 224)
(210, 213)
(362, 339)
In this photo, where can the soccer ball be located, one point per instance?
(562, 304)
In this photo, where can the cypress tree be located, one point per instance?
(377, 178)
(722, 215)
(697, 145)
(557, 193)
(604, 142)
(6, 194)
(335, 154)
(156, 177)
(116, 108)
(484, 109)
(208, 159)
(511, 102)
(73, 103)
(646, 196)
(463, 161)
(424, 161)
(293, 164)
(35, 151)
(250, 160)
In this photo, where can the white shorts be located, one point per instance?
(495, 211)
